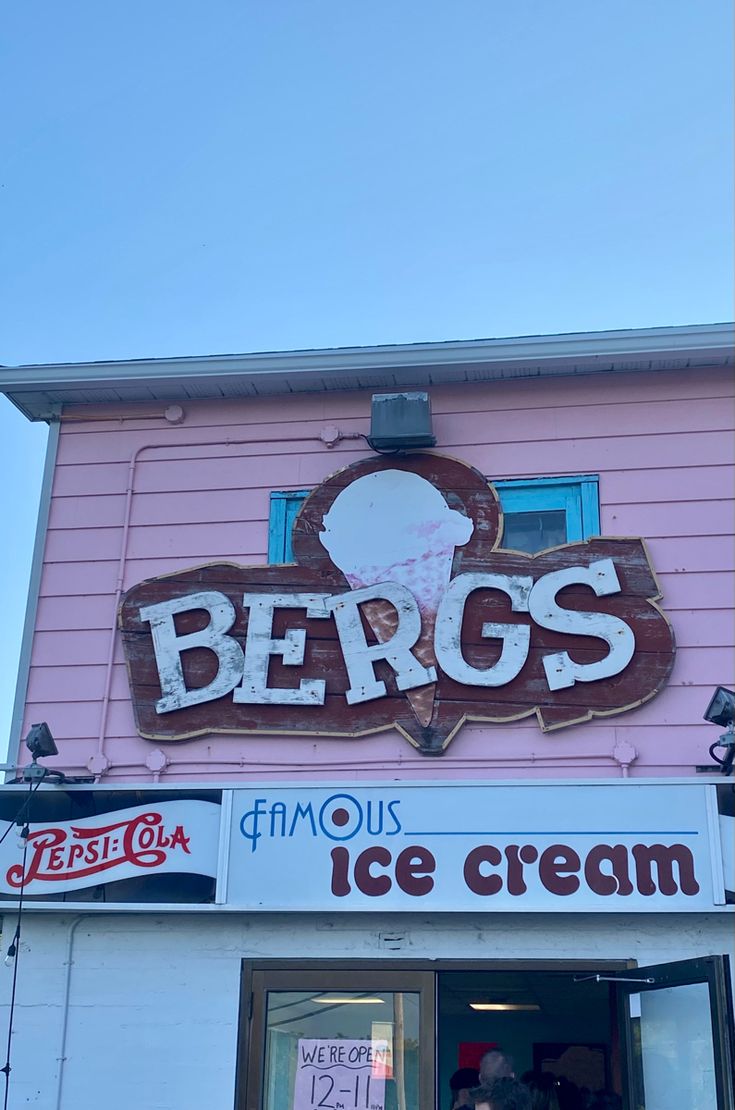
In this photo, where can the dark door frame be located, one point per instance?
(250, 1031)
(712, 970)
(258, 979)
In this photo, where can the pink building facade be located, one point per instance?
(158, 467)
(141, 490)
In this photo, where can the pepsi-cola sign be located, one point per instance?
(169, 837)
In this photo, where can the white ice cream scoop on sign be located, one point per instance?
(394, 526)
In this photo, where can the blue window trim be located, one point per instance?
(284, 508)
(577, 495)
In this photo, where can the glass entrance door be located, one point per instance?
(340, 1040)
(334, 1038)
(677, 1034)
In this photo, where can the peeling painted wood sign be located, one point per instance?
(401, 609)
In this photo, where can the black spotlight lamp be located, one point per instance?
(40, 744)
(721, 711)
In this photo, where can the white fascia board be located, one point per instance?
(294, 371)
(178, 787)
(34, 593)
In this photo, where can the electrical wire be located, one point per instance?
(14, 946)
(381, 450)
(22, 811)
(726, 764)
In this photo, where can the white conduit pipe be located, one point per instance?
(65, 1007)
(98, 763)
(623, 754)
(467, 763)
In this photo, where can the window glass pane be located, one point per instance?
(676, 1048)
(341, 1050)
(533, 531)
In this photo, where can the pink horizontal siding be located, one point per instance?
(469, 427)
(248, 534)
(80, 720)
(680, 589)
(661, 443)
(52, 681)
(245, 537)
(617, 391)
(693, 627)
(714, 590)
(304, 462)
(670, 555)
(161, 510)
(692, 483)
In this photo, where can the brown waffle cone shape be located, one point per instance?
(383, 620)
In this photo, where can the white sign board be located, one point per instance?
(175, 837)
(342, 1074)
(617, 847)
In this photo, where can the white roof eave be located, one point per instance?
(37, 389)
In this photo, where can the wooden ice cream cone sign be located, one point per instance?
(401, 610)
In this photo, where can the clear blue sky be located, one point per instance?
(183, 178)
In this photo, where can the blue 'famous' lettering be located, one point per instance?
(253, 816)
(302, 813)
(340, 817)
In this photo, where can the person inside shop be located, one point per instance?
(460, 1085)
(496, 1065)
(506, 1093)
(543, 1087)
(605, 1100)
(569, 1094)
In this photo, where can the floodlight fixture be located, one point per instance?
(40, 742)
(400, 422)
(721, 711)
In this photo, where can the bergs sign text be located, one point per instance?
(401, 610)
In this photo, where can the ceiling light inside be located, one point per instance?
(505, 1006)
(334, 1000)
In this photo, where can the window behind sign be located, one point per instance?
(537, 513)
(284, 509)
(545, 512)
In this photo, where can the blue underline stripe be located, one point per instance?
(558, 832)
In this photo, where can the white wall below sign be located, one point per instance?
(153, 1000)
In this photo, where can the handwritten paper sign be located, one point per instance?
(340, 1075)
